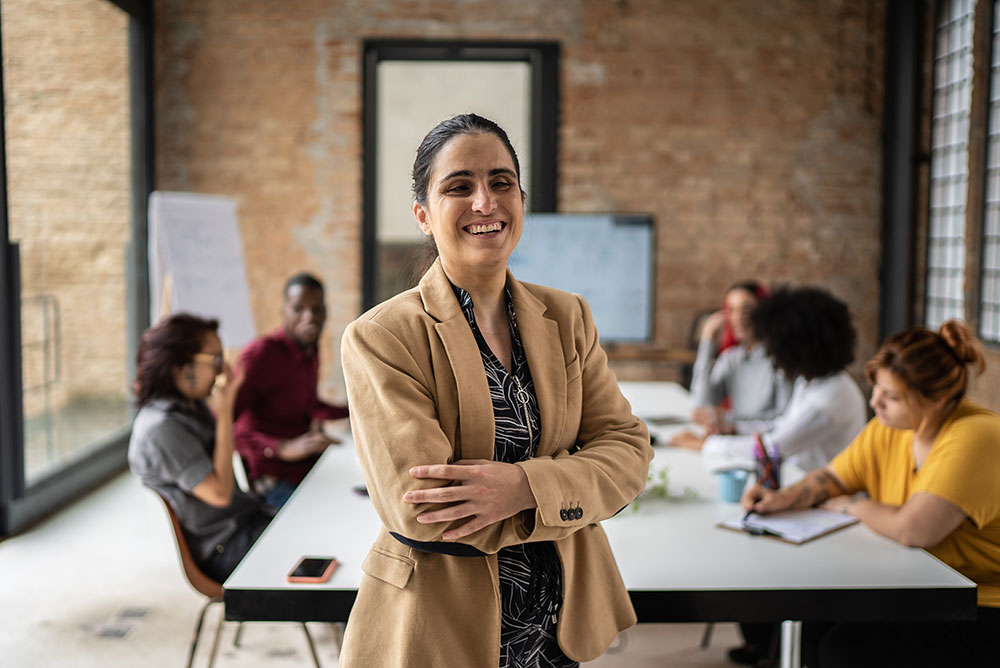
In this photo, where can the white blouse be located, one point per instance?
(822, 417)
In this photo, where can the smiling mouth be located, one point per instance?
(484, 228)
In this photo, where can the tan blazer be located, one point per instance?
(418, 395)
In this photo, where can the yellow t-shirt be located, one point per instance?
(963, 467)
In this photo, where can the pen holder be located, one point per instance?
(769, 472)
(731, 484)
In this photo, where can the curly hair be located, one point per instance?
(806, 331)
(168, 344)
(935, 364)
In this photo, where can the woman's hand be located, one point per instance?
(706, 416)
(486, 491)
(761, 500)
(817, 487)
(713, 326)
(687, 440)
(224, 393)
(840, 504)
(712, 418)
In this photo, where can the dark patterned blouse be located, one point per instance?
(530, 573)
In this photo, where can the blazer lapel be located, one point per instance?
(542, 347)
(475, 409)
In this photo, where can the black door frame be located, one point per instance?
(543, 57)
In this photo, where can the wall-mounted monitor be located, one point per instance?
(606, 258)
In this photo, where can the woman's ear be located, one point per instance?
(420, 213)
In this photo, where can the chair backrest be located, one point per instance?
(240, 472)
(201, 582)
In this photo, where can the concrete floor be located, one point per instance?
(99, 585)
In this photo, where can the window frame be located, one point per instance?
(543, 57)
(22, 504)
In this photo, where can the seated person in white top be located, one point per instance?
(733, 377)
(808, 334)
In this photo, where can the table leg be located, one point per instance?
(791, 652)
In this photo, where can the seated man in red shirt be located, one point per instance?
(278, 413)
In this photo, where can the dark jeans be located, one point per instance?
(229, 554)
(913, 645)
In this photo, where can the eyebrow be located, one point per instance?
(466, 172)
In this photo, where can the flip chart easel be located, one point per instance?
(196, 262)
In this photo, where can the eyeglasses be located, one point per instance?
(215, 360)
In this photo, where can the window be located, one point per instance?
(949, 162)
(77, 158)
(989, 307)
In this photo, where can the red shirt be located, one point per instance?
(276, 402)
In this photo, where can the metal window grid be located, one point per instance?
(949, 162)
(989, 302)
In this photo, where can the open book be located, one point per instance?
(793, 526)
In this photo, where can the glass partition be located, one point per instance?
(69, 188)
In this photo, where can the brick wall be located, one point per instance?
(751, 130)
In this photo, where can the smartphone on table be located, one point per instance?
(313, 569)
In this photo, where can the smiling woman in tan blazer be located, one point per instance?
(428, 374)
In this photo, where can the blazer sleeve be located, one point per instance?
(395, 427)
(609, 464)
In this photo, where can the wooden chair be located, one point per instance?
(212, 590)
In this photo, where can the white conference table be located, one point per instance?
(677, 565)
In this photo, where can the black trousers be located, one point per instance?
(228, 555)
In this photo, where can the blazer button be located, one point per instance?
(563, 514)
(579, 512)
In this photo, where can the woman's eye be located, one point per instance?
(502, 185)
(458, 189)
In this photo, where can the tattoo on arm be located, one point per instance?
(817, 487)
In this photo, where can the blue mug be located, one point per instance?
(731, 484)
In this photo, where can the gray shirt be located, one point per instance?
(171, 452)
(756, 390)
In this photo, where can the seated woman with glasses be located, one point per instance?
(183, 453)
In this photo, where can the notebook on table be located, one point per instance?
(793, 526)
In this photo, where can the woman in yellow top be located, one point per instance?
(929, 462)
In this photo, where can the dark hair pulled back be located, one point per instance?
(168, 344)
(445, 131)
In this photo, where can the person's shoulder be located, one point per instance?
(559, 303)
(154, 422)
(264, 345)
(970, 417)
(840, 383)
(397, 314)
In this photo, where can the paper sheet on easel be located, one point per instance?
(196, 262)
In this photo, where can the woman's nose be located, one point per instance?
(484, 201)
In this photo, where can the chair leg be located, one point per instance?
(215, 642)
(312, 646)
(197, 631)
(239, 634)
(706, 637)
(337, 631)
